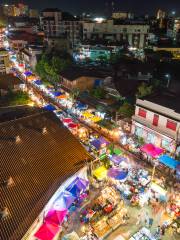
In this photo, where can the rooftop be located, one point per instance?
(8, 80)
(165, 99)
(38, 164)
(72, 73)
(51, 10)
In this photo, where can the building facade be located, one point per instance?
(4, 61)
(135, 34)
(57, 24)
(157, 123)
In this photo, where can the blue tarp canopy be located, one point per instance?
(38, 82)
(82, 105)
(57, 94)
(49, 107)
(96, 143)
(28, 73)
(168, 161)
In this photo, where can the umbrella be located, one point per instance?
(47, 231)
(49, 107)
(56, 216)
(67, 120)
(117, 174)
(117, 159)
(64, 201)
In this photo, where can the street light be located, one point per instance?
(168, 77)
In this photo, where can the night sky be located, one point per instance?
(98, 6)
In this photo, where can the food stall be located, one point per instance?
(101, 228)
(100, 173)
(143, 234)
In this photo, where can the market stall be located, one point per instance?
(47, 231)
(168, 161)
(49, 107)
(151, 150)
(100, 173)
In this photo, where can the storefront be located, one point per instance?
(153, 137)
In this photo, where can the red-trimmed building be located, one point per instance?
(157, 120)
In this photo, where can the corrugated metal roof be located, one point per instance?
(37, 164)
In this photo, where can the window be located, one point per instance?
(142, 113)
(155, 120)
(171, 125)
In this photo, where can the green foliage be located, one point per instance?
(126, 110)
(141, 141)
(74, 93)
(144, 90)
(98, 92)
(17, 98)
(50, 66)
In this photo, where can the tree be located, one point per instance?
(74, 94)
(126, 110)
(144, 90)
(49, 67)
(98, 92)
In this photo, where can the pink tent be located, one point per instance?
(67, 120)
(152, 150)
(47, 231)
(56, 216)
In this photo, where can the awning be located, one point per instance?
(57, 94)
(38, 82)
(71, 236)
(49, 107)
(87, 114)
(65, 200)
(72, 125)
(47, 231)
(117, 159)
(67, 120)
(168, 161)
(28, 73)
(117, 151)
(56, 216)
(103, 141)
(100, 173)
(96, 119)
(82, 106)
(77, 186)
(62, 96)
(152, 150)
(158, 189)
(96, 143)
(117, 174)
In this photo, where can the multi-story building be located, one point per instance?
(30, 55)
(14, 10)
(132, 32)
(56, 23)
(96, 51)
(4, 61)
(157, 120)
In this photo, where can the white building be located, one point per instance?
(57, 24)
(136, 34)
(157, 120)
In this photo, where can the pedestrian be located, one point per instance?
(163, 228)
(138, 219)
(150, 222)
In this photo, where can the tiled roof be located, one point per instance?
(37, 164)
